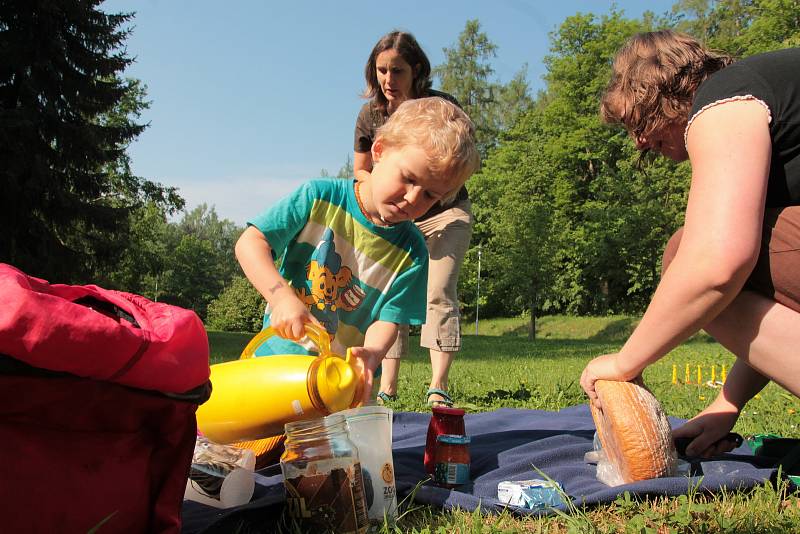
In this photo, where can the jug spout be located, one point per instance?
(336, 383)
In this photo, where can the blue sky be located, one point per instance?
(251, 98)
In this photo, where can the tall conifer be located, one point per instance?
(61, 209)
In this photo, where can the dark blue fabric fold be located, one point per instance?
(510, 444)
(507, 444)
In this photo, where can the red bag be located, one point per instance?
(81, 448)
(83, 330)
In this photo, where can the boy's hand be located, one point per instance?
(368, 359)
(289, 316)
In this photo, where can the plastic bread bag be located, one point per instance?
(221, 475)
(610, 475)
(607, 473)
(634, 431)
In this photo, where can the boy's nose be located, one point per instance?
(413, 194)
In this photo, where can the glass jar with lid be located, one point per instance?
(444, 420)
(451, 460)
(322, 476)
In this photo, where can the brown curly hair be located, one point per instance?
(654, 79)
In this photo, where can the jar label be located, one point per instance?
(329, 496)
(451, 473)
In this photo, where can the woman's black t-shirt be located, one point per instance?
(772, 78)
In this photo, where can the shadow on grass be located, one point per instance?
(520, 331)
(559, 393)
(615, 331)
(619, 330)
(522, 393)
(226, 346)
(512, 350)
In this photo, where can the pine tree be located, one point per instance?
(466, 74)
(63, 208)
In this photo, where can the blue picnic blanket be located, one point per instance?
(507, 444)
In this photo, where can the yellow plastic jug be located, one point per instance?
(254, 398)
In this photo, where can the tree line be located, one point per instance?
(568, 217)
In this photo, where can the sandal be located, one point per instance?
(446, 400)
(384, 398)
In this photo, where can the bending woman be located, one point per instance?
(398, 70)
(734, 268)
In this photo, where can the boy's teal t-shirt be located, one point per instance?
(347, 270)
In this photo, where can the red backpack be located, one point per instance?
(98, 392)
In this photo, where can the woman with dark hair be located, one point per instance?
(398, 70)
(734, 267)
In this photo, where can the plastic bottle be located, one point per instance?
(220, 476)
(253, 398)
(370, 429)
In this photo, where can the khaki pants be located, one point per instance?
(447, 236)
(777, 271)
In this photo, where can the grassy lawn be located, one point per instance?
(501, 367)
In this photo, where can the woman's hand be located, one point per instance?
(605, 367)
(708, 428)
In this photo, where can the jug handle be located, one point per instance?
(316, 334)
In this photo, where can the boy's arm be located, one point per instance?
(379, 338)
(289, 314)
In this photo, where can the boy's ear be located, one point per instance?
(377, 150)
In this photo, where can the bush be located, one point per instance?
(239, 308)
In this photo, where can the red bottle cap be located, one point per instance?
(444, 410)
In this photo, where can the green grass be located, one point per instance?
(227, 346)
(501, 367)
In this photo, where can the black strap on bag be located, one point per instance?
(106, 308)
(12, 367)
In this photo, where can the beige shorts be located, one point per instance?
(447, 236)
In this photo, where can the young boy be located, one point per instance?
(352, 259)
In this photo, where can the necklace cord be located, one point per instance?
(364, 212)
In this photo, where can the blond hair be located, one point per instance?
(654, 78)
(442, 130)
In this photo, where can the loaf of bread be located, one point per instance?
(634, 431)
